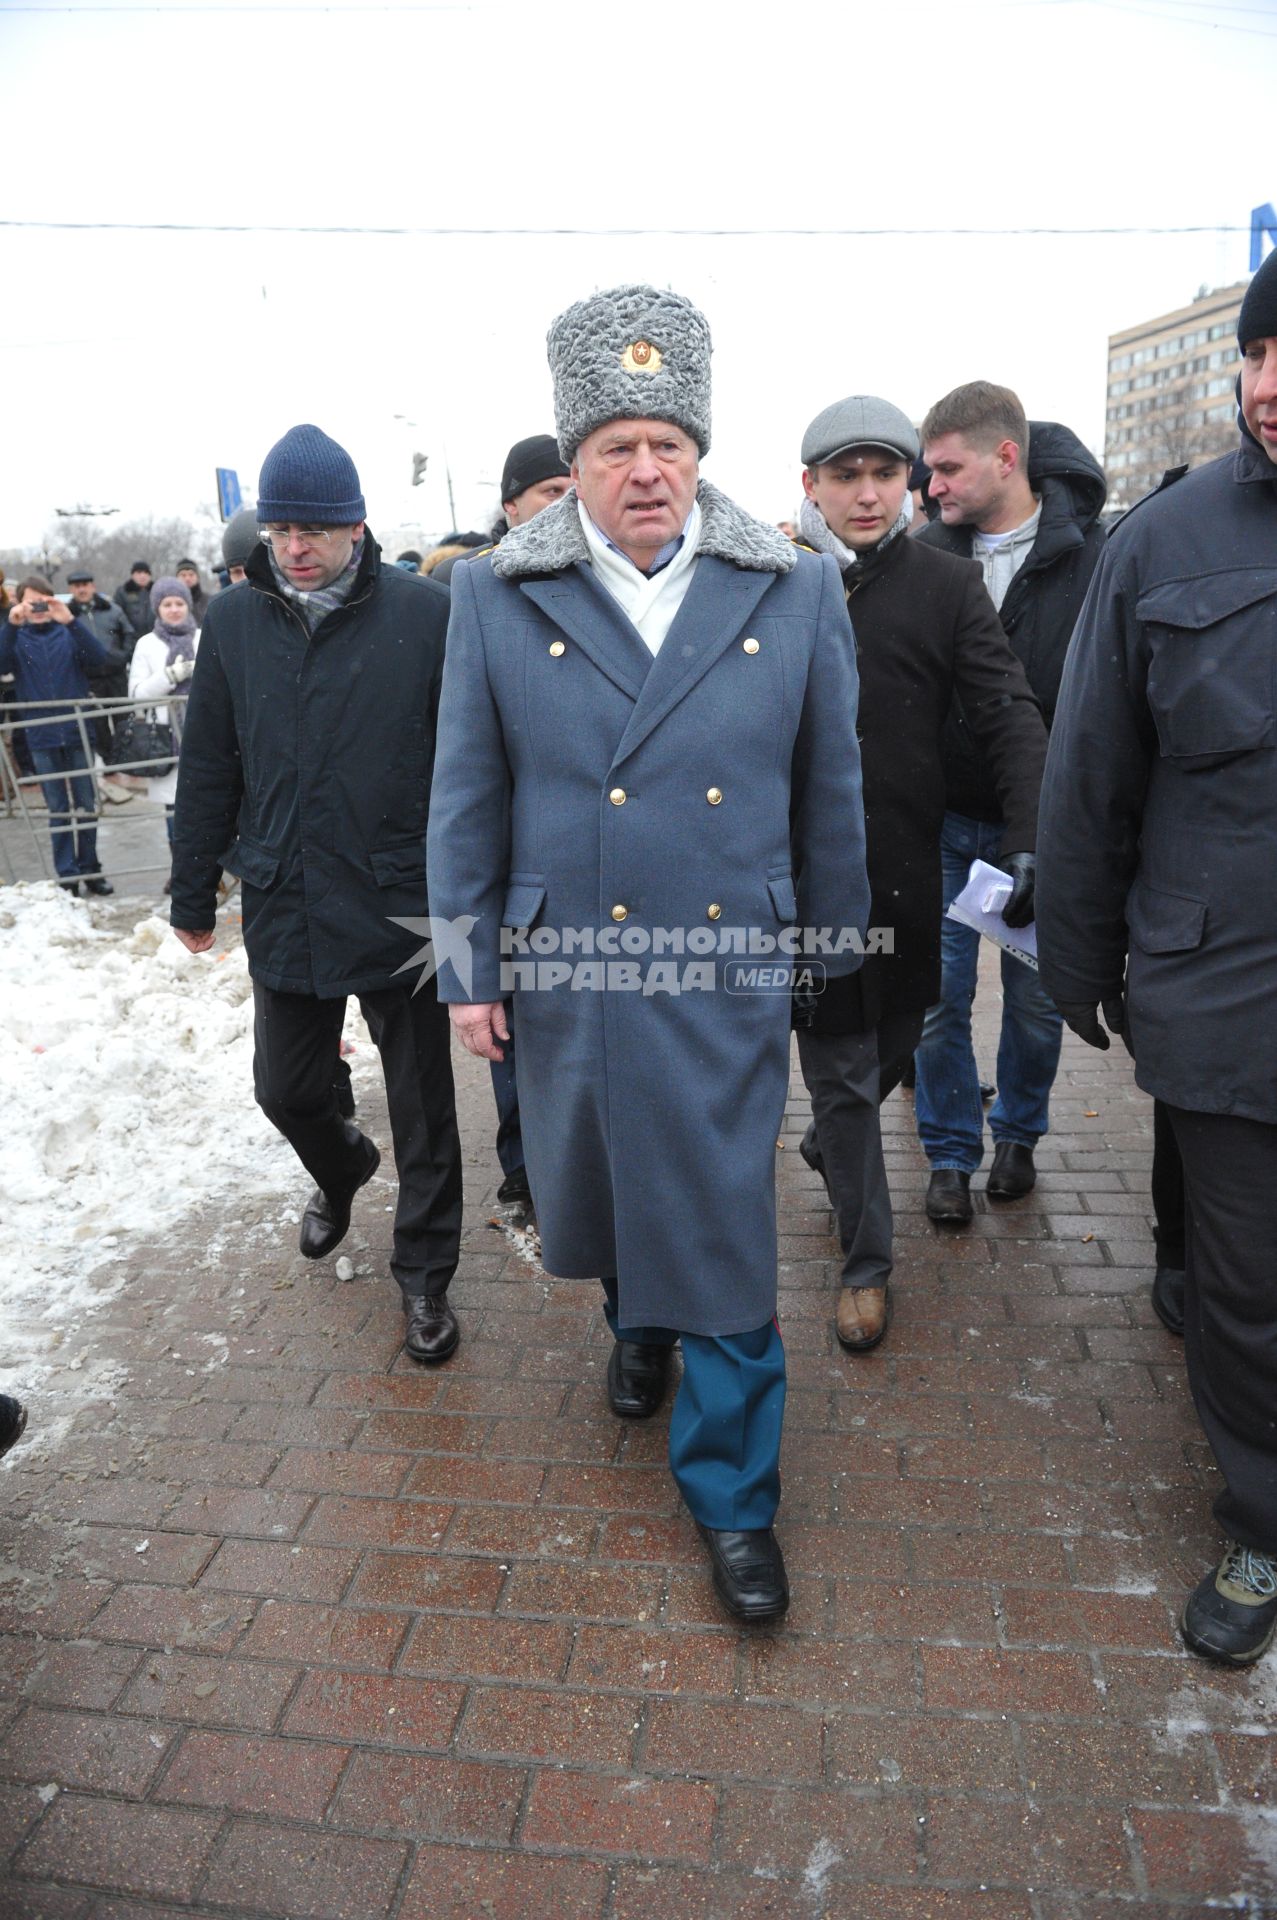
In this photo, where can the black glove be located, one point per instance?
(1083, 1017)
(1023, 868)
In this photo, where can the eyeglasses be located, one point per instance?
(313, 536)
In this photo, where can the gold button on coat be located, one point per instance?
(620, 913)
(713, 796)
(618, 796)
(714, 910)
(557, 649)
(750, 646)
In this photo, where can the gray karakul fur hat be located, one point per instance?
(631, 353)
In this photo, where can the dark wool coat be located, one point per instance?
(109, 624)
(1158, 845)
(926, 630)
(650, 1121)
(1043, 601)
(134, 603)
(305, 769)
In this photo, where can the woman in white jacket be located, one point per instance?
(161, 670)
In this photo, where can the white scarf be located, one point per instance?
(650, 600)
(817, 532)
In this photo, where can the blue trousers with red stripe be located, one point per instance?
(726, 1420)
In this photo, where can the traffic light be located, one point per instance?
(419, 462)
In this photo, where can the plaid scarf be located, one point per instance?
(315, 605)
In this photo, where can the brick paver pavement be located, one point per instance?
(294, 1628)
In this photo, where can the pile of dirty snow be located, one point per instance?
(126, 1090)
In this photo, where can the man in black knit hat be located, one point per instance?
(1156, 904)
(305, 769)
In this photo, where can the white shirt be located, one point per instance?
(650, 600)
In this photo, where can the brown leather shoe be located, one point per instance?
(864, 1314)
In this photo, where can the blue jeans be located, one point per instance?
(947, 1094)
(72, 803)
(726, 1419)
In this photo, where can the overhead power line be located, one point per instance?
(608, 233)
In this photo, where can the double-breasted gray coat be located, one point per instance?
(592, 796)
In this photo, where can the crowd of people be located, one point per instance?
(604, 758)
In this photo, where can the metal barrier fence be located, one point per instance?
(137, 813)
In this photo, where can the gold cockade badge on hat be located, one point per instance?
(641, 357)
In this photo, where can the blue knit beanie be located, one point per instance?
(308, 479)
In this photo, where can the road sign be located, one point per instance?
(229, 497)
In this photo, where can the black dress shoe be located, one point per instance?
(97, 883)
(949, 1196)
(514, 1190)
(327, 1219)
(987, 1093)
(13, 1420)
(636, 1377)
(1013, 1173)
(1168, 1298)
(432, 1332)
(748, 1571)
(70, 886)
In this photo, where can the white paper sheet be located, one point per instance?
(980, 905)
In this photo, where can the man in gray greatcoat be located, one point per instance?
(647, 766)
(1157, 844)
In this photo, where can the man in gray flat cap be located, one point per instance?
(925, 630)
(647, 764)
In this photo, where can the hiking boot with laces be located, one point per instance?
(1232, 1615)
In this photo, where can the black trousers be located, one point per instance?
(1168, 1191)
(1230, 1310)
(296, 1036)
(848, 1076)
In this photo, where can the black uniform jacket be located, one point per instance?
(305, 769)
(1159, 808)
(926, 630)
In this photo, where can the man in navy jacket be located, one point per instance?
(1158, 840)
(51, 655)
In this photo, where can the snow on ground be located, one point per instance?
(126, 1089)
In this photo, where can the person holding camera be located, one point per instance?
(51, 653)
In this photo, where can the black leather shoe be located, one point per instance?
(1168, 1298)
(987, 1093)
(1232, 1616)
(636, 1378)
(1013, 1173)
(326, 1220)
(13, 1421)
(514, 1190)
(96, 883)
(70, 886)
(432, 1333)
(949, 1197)
(748, 1571)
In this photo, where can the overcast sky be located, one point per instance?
(135, 362)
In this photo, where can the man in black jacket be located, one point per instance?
(133, 598)
(305, 769)
(925, 629)
(1025, 502)
(111, 625)
(1159, 840)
